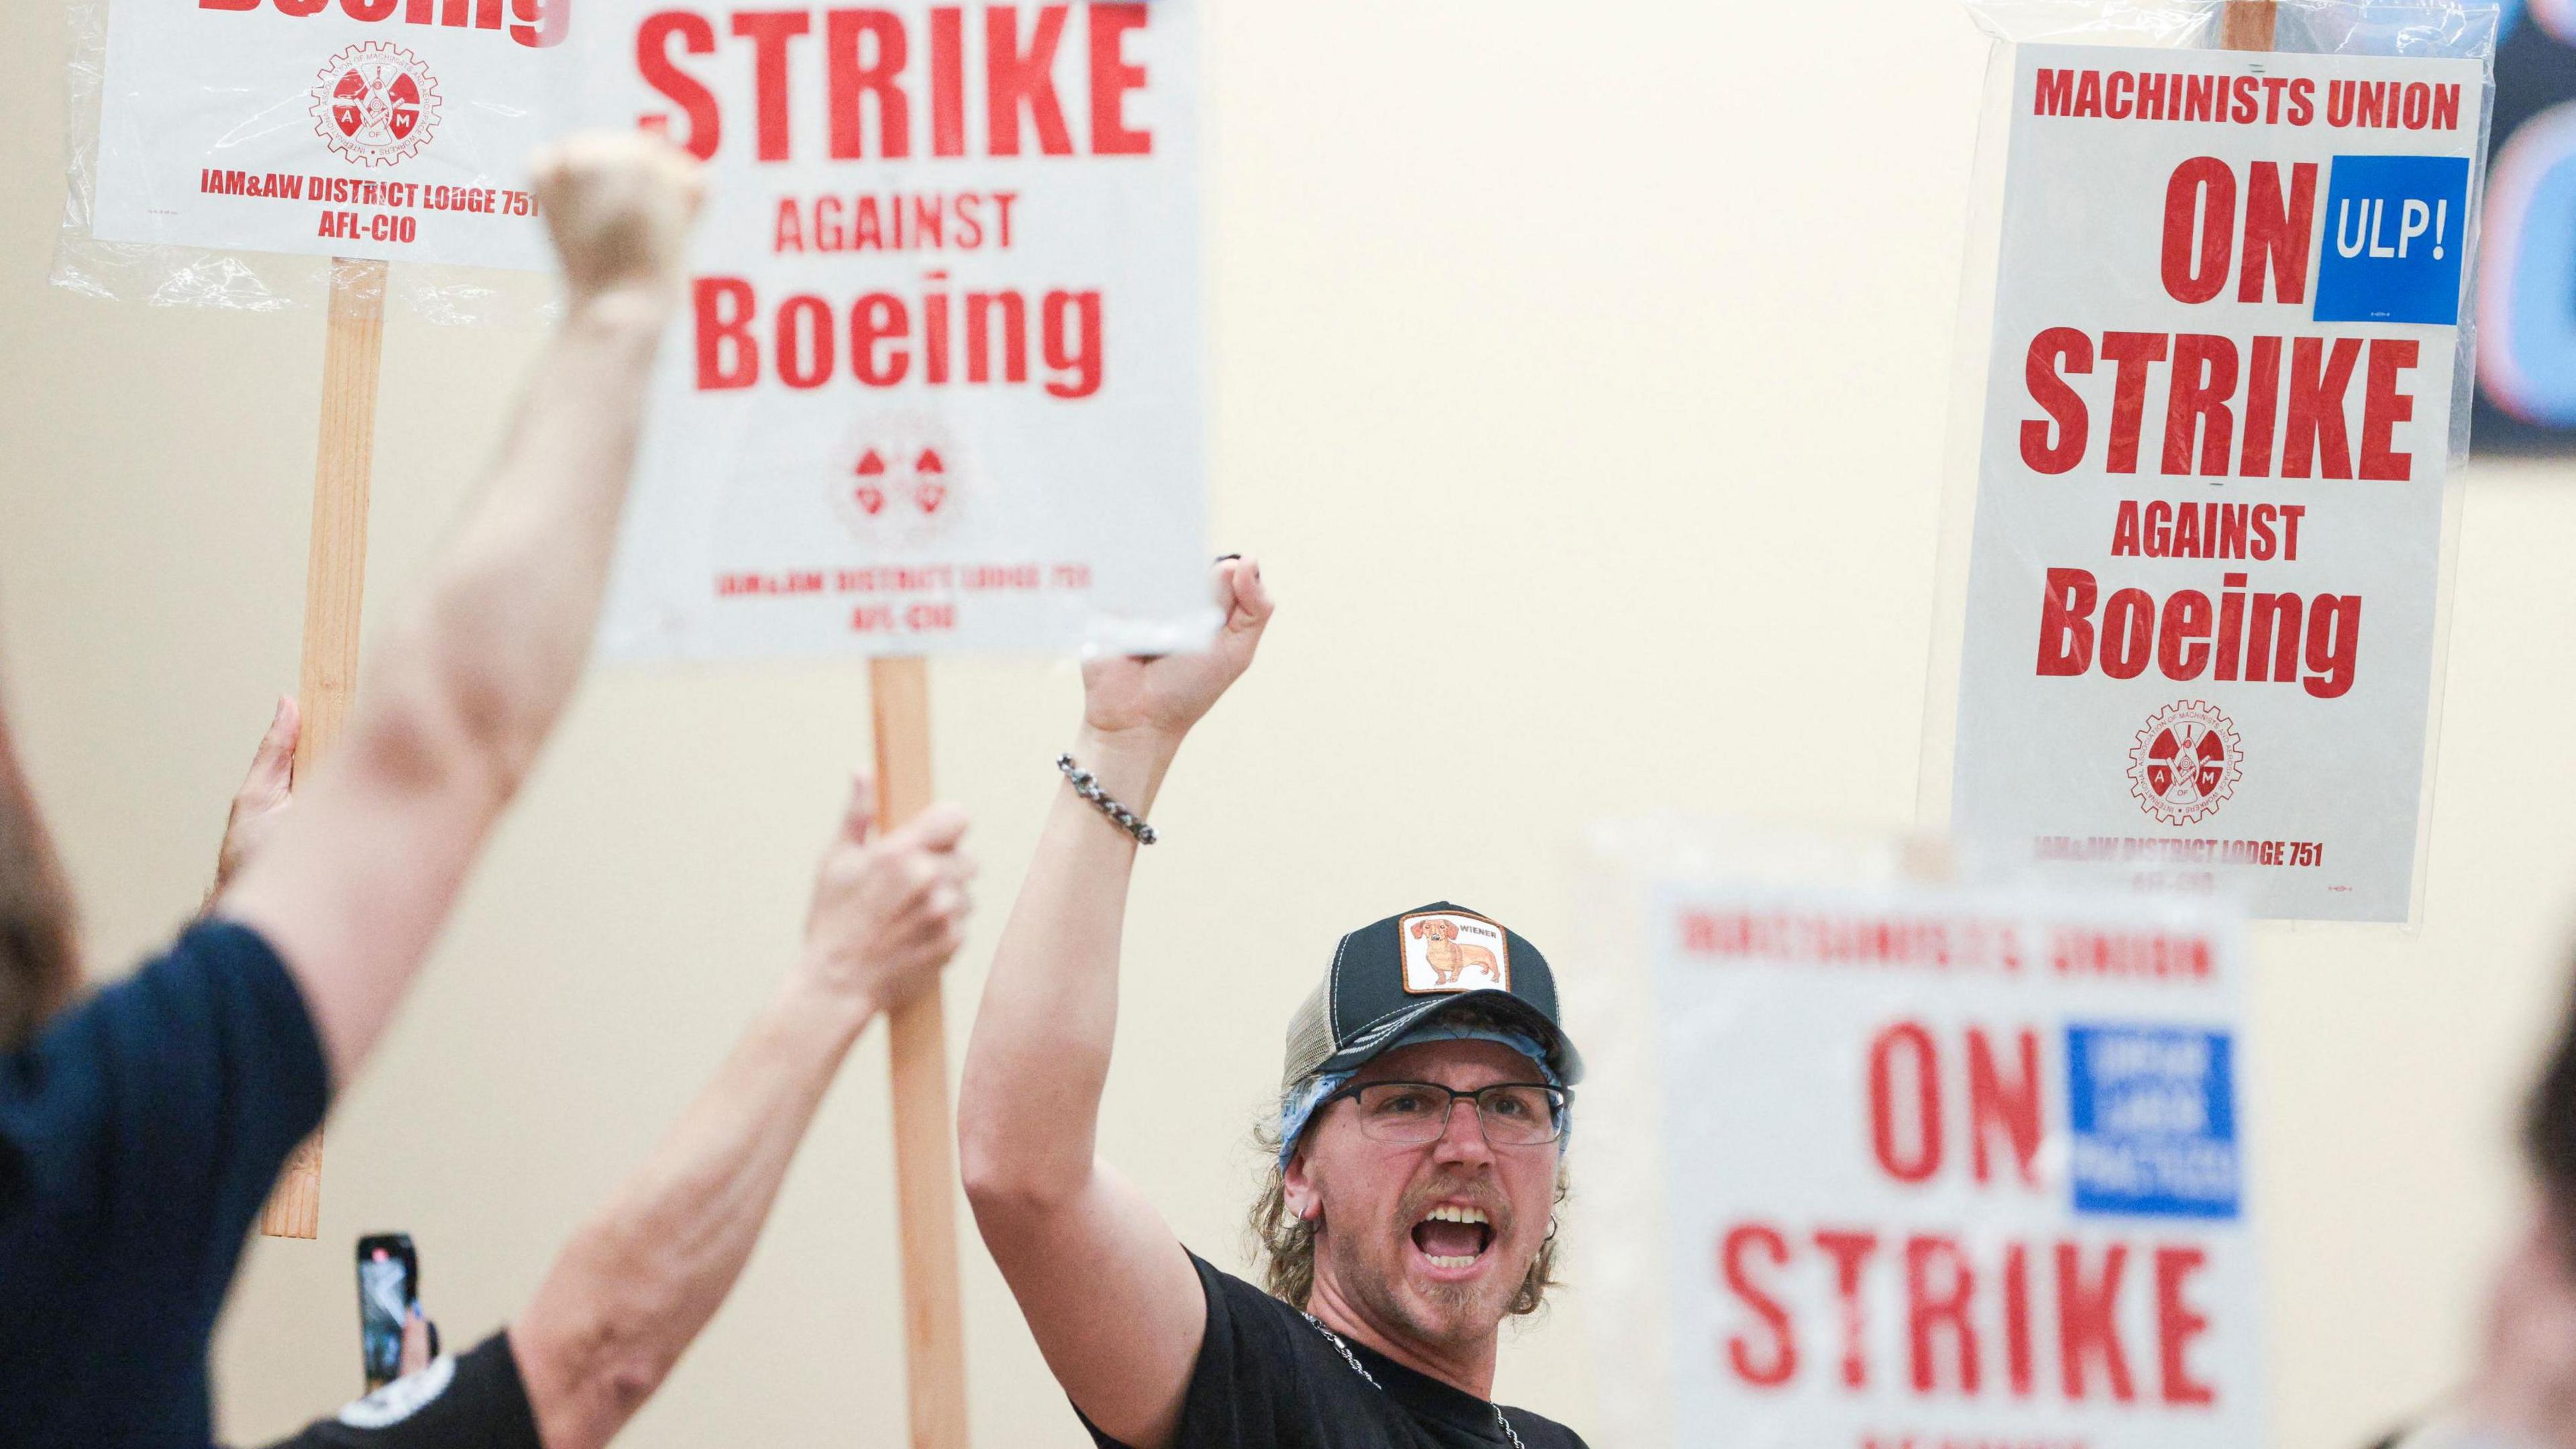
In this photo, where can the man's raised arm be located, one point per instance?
(467, 681)
(1101, 1278)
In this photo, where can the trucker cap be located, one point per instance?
(1389, 976)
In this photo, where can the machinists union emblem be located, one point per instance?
(903, 480)
(2185, 763)
(375, 104)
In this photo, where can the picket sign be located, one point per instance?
(936, 390)
(2209, 751)
(1911, 1154)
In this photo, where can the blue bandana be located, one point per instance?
(1297, 1105)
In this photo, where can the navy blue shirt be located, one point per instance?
(139, 1135)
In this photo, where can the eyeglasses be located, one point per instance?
(1513, 1114)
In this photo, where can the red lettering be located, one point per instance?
(2262, 402)
(2204, 377)
(1938, 1286)
(2065, 622)
(2131, 354)
(2181, 650)
(2177, 1324)
(2201, 195)
(1915, 1044)
(2017, 1355)
(846, 82)
(1782, 1341)
(723, 307)
(2383, 407)
(2053, 96)
(2276, 232)
(2008, 1103)
(879, 317)
(804, 355)
(1850, 1251)
(1014, 77)
(1111, 79)
(540, 23)
(2315, 431)
(769, 31)
(2054, 350)
(2128, 633)
(1073, 343)
(2119, 95)
(947, 81)
(2087, 1324)
(653, 62)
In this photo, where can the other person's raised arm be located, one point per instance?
(467, 681)
(637, 1283)
(1101, 1278)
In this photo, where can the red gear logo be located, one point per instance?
(925, 485)
(2185, 762)
(375, 104)
(904, 480)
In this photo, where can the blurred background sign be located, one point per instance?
(2527, 283)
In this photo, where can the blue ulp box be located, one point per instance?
(2393, 231)
(2152, 1113)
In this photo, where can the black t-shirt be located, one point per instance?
(1268, 1379)
(474, 1402)
(139, 1134)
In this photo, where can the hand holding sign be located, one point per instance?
(264, 795)
(1160, 698)
(889, 910)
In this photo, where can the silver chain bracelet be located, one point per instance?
(1088, 787)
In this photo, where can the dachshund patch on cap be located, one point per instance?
(1449, 951)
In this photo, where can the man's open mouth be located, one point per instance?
(1451, 1236)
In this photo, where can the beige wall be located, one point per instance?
(1578, 379)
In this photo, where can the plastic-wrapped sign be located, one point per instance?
(2200, 645)
(937, 386)
(391, 129)
(1948, 1167)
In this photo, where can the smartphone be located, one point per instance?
(388, 1289)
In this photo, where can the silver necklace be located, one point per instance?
(1361, 1369)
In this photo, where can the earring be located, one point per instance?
(1551, 1230)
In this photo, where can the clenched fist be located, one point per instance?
(619, 204)
(889, 911)
(1166, 695)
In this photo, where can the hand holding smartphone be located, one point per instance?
(388, 1292)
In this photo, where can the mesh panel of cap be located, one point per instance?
(1310, 1037)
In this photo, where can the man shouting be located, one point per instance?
(1420, 1136)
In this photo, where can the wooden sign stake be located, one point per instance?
(934, 1330)
(335, 577)
(2248, 25)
